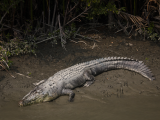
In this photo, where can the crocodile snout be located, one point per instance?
(21, 103)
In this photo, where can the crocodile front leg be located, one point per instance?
(70, 93)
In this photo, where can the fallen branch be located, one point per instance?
(122, 29)
(87, 38)
(92, 47)
(45, 40)
(7, 71)
(23, 75)
(12, 28)
(76, 32)
(78, 42)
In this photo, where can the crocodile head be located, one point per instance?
(37, 95)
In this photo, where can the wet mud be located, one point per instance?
(116, 94)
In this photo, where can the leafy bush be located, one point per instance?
(151, 33)
(100, 7)
(14, 48)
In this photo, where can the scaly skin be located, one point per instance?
(65, 80)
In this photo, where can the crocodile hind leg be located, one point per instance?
(88, 83)
(89, 79)
(70, 93)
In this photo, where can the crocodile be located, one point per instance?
(83, 74)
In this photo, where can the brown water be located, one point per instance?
(126, 108)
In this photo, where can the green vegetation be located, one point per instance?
(151, 33)
(26, 23)
(100, 7)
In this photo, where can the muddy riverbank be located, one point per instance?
(102, 100)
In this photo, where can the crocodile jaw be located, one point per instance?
(25, 102)
(45, 98)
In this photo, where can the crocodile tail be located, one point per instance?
(129, 64)
(137, 66)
